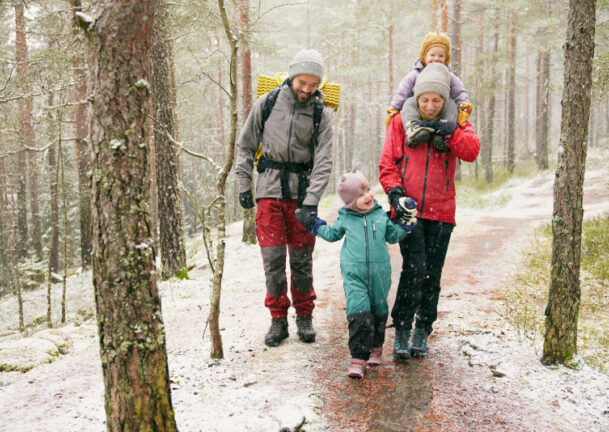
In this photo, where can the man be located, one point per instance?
(294, 170)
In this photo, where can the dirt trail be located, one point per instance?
(468, 380)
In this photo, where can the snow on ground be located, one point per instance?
(255, 388)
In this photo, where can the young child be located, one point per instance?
(365, 265)
(435, 48)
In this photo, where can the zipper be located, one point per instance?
(373, 231)
(367, 252)
(405, 166)
(447, 179)
(290, 131)
(425, 179)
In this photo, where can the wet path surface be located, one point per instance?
(444, 391)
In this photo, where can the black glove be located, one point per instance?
(393, 196)
(307, 216)
(246, 199)
(440, 127)
(440, 143)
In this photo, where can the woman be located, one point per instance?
(419, 163)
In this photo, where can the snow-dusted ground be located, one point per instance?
(255, 388)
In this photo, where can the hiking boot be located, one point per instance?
(305, 328)
(277, 332)
(401, 349)
(376, 357)
(357, 368)
(419, 343)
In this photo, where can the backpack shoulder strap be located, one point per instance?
(269, 103)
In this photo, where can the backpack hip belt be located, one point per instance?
(285, 168)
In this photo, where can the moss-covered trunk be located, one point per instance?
(131, 331)
(562, 311)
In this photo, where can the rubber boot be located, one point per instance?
(419, 343)
(376, 357)
(306, 333)
(357, 368)
(401, 349)
(277, 333)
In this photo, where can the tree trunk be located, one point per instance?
(443, 16)
(81, 146)
(25, 111)
(26, 128)
(128, 306)
(527, 108)
(543, 94)
(4, 231)
(560, 343)
(52, 170)
(455, 57)
(433, 22)
(14, 255)
(249, 215)
(511, 95)
(171, 228)
(390, 56)
(487, 157)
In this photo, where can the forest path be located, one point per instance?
(479, 374)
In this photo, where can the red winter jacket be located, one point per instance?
(427, 176)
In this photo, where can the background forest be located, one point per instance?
(508, 54)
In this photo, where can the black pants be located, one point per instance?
(423, 254)
(366, 331)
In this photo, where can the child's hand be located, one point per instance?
(392, 113)
(465, 109)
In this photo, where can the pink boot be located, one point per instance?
(376, 357)
(357, 368)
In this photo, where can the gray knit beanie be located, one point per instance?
(351, 186)
(309, 62)
(434, 78)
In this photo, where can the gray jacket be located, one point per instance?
(287, 137)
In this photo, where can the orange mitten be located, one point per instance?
(392, 113)
(465, 109)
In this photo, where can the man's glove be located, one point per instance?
(246, 199)
(307, 216)
(464, 109)
(417, 133)
(440, 143)
(392, 113)
(318, 223)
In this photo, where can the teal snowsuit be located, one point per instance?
(366, 270)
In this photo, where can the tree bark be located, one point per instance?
(455, 57)
(26, 128)
(511, 93)
(249, 215)
(171, 225)
(81, 146)
(25, 109)
(214, 312)
(443, 16)
(543, 94)
(390, 56)
(487, 156)
(433, 22)
(130, 322)
(52, 170)
(560, 342)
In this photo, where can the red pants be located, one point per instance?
(279, 231)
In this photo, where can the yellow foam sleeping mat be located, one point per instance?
(331, 91)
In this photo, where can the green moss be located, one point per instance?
(183, 274)
(525, 294)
